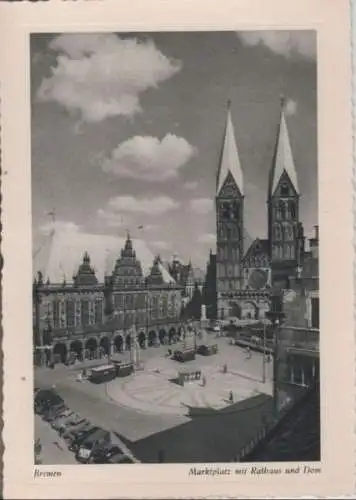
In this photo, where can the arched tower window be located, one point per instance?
(277, 232)
(284, 189)
(292, 209)
(283, 210)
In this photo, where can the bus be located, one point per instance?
(103, 373)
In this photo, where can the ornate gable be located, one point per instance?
(229, 188)
(155, 277)
(256, 265)
(257, 255)
(86, 274)
(285, 187)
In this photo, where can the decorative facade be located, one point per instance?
(245, 276)
(85, 318)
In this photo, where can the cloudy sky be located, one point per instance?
(127, 130)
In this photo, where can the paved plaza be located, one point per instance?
(154, 390)
(148, 405)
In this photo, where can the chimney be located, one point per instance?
(316, 234)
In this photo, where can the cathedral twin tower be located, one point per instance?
(275, 259)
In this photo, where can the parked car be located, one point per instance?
(111, 454)
(78, 439)
(70, 433)
(45, 399)
(57, 423)
(55, 412)
(95, 441)
(73, 424)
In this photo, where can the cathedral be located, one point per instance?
(245, 273)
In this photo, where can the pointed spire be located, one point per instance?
(283, 158)
(229, 160)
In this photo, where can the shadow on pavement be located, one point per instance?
(216, 436)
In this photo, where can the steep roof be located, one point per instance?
(229, 160)
(62, 252)
(260, 246)
(283, 157)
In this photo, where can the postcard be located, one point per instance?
(178, 249)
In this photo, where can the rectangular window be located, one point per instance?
(56, 319)
(70, 313)
(98, 311)
(315, 312)
(78, 314)
(85, 312)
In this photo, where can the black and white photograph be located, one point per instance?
(175, 247)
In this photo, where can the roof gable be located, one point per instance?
(258, 248)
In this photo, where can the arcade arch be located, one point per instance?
(172, 335)
(76, 348)
(162, 336)
(91, 346)
(142, 340)
(152, 338)
(128, 342)
(60, 353)
(118, 343)
(105, 345)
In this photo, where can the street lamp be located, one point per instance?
(276, 316)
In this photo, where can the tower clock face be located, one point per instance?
(258, 279)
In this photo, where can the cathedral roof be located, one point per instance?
(61, 254)
(229, 160)
(283, 157)
(258, 247)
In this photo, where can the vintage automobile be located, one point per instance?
(111, 454)
(184, 355)
(207, 350)
(45, 399)
(81, 436)
(74, 424)
(60, 422)
(102, 374)
(90, 444)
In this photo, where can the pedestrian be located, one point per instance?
(231, 397)
(225, 368)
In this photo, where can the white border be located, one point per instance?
(330, 18)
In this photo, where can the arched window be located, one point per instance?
(284, 189)
(292, 209)
(288, 233)
(277, 232)
(287, 252)
(283, 210)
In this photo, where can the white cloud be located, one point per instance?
(202, 205)
(154, 206)
(101, 75)
(207, 238)
(190, 185)
(161, 245)
(286, 43)
(150, 227)
(113, 219)
(148, 158)
(59, 226)
(291, 107)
